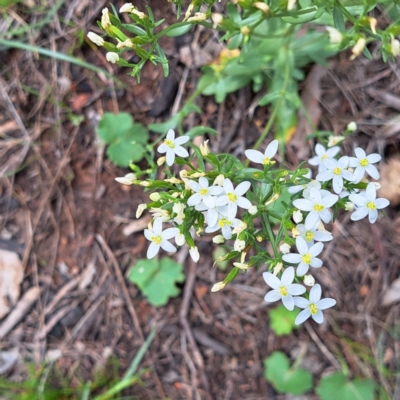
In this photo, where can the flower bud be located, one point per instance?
(395, 47)
(284, 248)
(297, 216)
(138, 13)
(216, 19)
(334, 140)
(173, 180)
(205, 151)
(321, 226)
(95, 38)
(351, 127)
(335, 37)
(253, 210)
(358, 48)
(127, 7)
(183, 174)
(349, 206)
(274, 198)
(176, 194)
(309, 280)
(199, 16)
(194, 253)
(291, 4)
(128, 179)
(295, 232)
(105, 18)
(198, 175)
(218, 286)
(261, 6)
(140, 209)
(278, 267)
(155, 196)
(241, 226)
(245, 30)
(112, 57)
(239, 245)
(219, 239)
(259, 238)
(123, 44)
(241, 265)
(372, 24)
(145, 184)
(180, 239)
(219, 180)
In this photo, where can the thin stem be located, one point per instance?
(267, 224)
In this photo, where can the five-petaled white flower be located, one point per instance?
(260, 158)
(363, 163)
(307, 256)
(322, 155)
(367, 204)
(233, 197)
(225, 223)
(173, 147)
(203, 192)
(311, 235)
(317, 206)
(159, 238)
(313, 307)
(284, 288)
(336, 170)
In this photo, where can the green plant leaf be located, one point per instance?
(337, 386)
(157, 278)
(179, 30)
(282, 320)
(123, 153)
(113, 126)
(200, 131)
(284, 379)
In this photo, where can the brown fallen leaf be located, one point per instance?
(390, 181)
(11, 275)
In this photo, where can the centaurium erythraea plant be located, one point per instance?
(217, 195)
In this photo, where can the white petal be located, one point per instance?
(295, 189)
(148, 234)
(337, 184)
(301, 302)
(381, 203)
(324, 176)
(255, 156)
(318, 317)
(319, 149)
(315, 293)
(272, 296)
(215, 190)
(314, 161)
(194, 199)
(325, 215)
(296, 289)
(372, 171)
(180, 151)
(371, 192)
(271, 150)
(167, 246)
(272, 280)
(226, 232)
(171, 135)
(361, 213)
(373, 216)
(358, 174)
(348, 175)
(330, 163)
(228, 187)
(288, 302)
(222, 200)
(194, 186)
(325, 303)
(354, 162)
(323, 236)
(162, 148)
(157, 226)
(203, 182)
(343, 162)
(152, 250)
(303, 316)
(316, 249)
(232, 210)
(302, 269)
(181, 140)
(212, 217)
(303, 204)
(169, 233)
(242, 188)
(301, 245)
(312, 220)
(292, 258)
(316, 263)
(360, 153)
(170, 157)
(209, 201)
(287, 276)
(243, 203)
(330, 200)
(358, 200)
(333, 151)
(374, 158)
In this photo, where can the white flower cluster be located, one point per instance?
(316, 202)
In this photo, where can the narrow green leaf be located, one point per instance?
(338, 20)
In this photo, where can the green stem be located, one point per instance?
(267, 224)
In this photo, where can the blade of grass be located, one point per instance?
(56, 55)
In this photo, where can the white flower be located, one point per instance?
(112, 57)
(309, 280)
(233, 197)
(218, 286)
(313, 307)
(367, 204)
(194, 253)
(307, 256)
(334, 140)
(317, 206)
(239, 245)
(225, 223)
(180, 239)
(105, 18)
(127, 7)
(140, 209)
(309, 235)
(95, 38)
(283, 288)
(336, 170)
(335, 37)
(128, 179)
(351, 127)
(284, 248)
(363, 163)
(179, 209)
(321, 155)
(203, 193)
(164, 215)
(159, 238)
(260, 158)
(297, 216)
(173, 147)
(219, 239)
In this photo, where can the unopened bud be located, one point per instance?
(216, 19)
(358, 48)
(309, 280)
(321, 226)
(295, 232)
(335, 37)
(218, 286)
(372, 24)
(395, 47)
(334, 140)
(219, 180)
(297, 216)
(140, 209)
(241, 265)
(173, 180)
(261, 6)
(199, 16)
(219, 239)
(241, 226)
(123, 44)
(205, 151)
(155, 196)
(259, 238)
(377, 185)
(351, 127)
(284, 248)
(128, 179)
(239, 245)
(105, 18)
(244, 30)
(253, 210)
(194, 253)
(145, 184)
(349, 206)
(291, 4)
(112, 57)
(161, 161)
(127, 7)
(274, 198)
(95, 38)
(278, 267)
(198, 175)
(180, 239)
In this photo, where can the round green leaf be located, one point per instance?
(123, 153)
(113, 126)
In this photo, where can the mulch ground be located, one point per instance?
(62, 210)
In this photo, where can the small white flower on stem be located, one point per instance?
(297, 216)
(334, 140)
(203, 193)
(127, 7)
(311, 235)
(112, 57)
(173, 147)
(284, 248)
(260, 158)
(309, 280)
(358, 48)
(180, 239)
(335, 37)
(155, 196)
(216, 19)
(307, 256)
(95, 38)
(161, 161)
(225, 223)
(283, 289)
(234, 197)
(179, 209)
(351, 127)
(128, 179)
(363, 163)
(194, 253)
(395, 47)
(164, 215)
(336, 170)
(367, 204)
(105, 18)
(159, 238)
(218, 286)
(140, 209)
(317, 207)
(321, 155)
(313, 307)
(239, 245)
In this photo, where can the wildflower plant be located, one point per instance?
(220, 196)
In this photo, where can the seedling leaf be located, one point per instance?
(282, 320)
(157, 278)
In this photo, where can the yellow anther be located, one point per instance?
(318, 207)
(266, 161)
(306, 258)
(203, 192)
(157, 239)
(169, 143)
(364, 162)
(232, 197)
(309, 236)
(371, 205)
(313, 309)
(283, 291)
(337, 171)
(324, 157)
